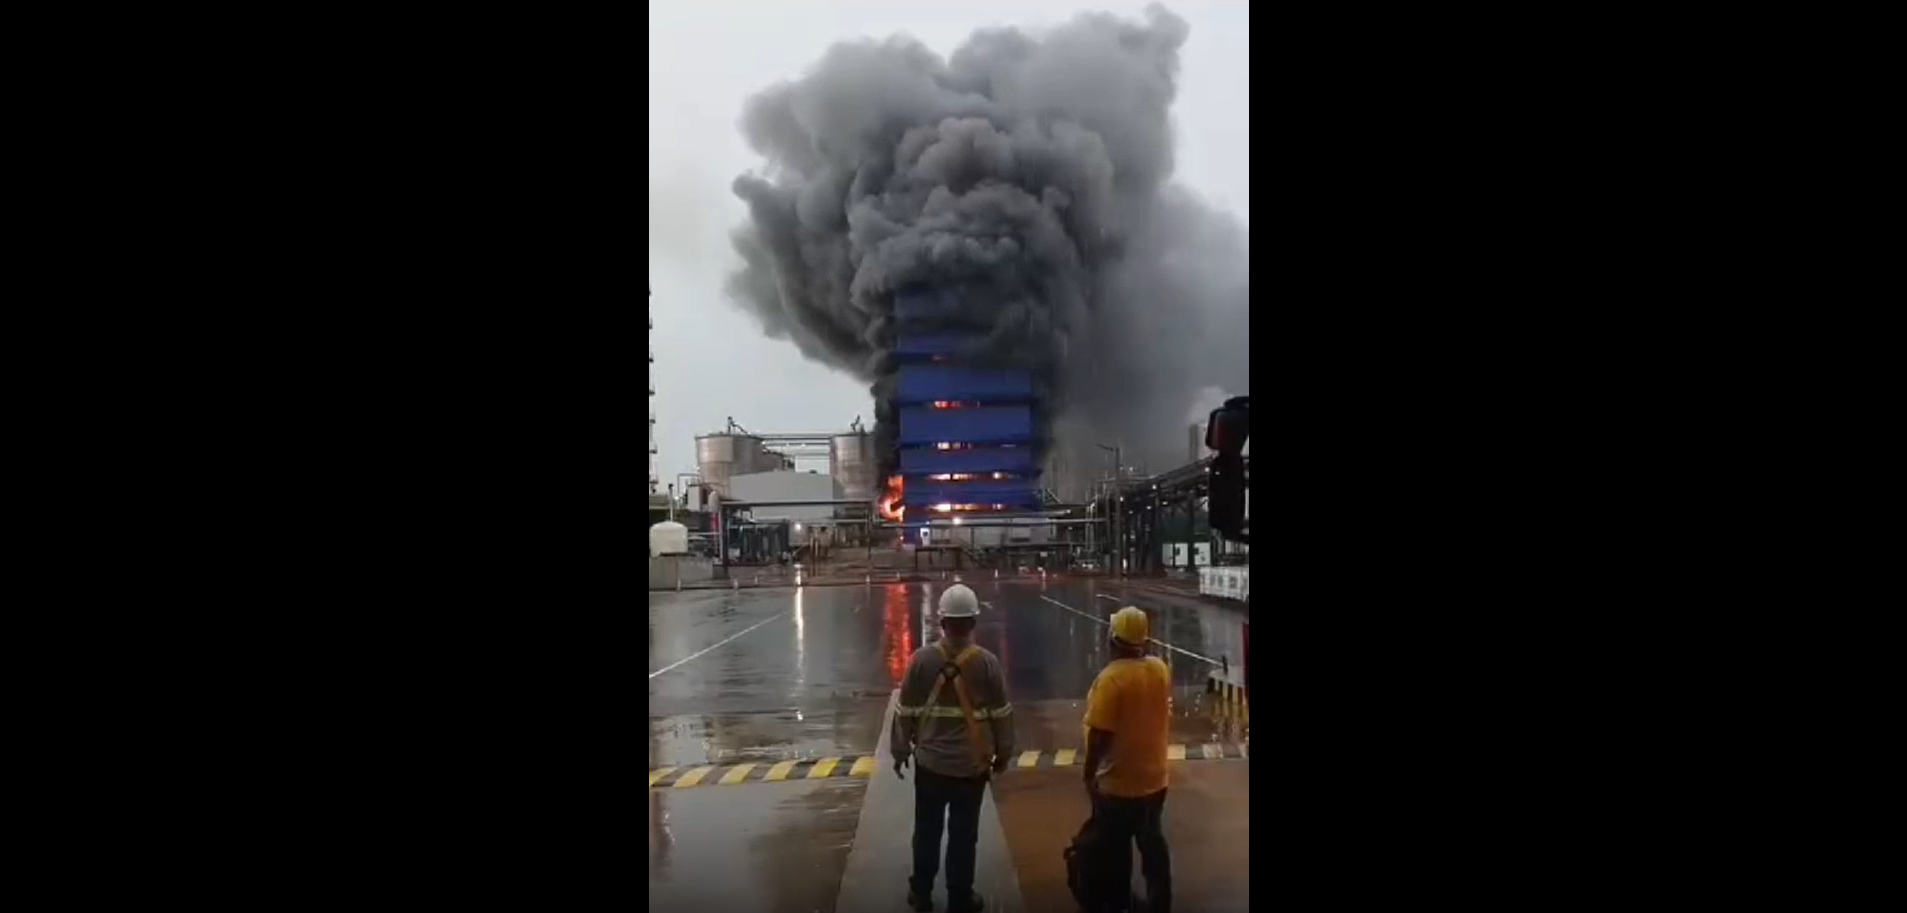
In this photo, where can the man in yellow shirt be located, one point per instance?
(1128, 713)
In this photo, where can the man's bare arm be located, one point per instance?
(1098, 744)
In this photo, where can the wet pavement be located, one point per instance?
(767, 675)
(776, 849)
(772, 674)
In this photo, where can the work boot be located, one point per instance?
(922, 903)
(974, 903)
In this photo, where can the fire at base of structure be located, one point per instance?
(965, 433)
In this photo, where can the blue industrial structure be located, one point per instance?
(965, 433)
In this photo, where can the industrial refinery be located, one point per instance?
(958, 476)
(963, 490)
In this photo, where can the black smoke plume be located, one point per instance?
(1025, 183)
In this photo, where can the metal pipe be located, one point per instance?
(1089, 516)
(721, 527)
(966, 523)
(837, 502)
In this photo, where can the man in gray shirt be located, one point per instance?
(949, 684)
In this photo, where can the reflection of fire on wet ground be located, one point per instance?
(897, 636)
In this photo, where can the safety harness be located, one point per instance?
(951, 672)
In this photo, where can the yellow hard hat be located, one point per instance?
(1131, 626)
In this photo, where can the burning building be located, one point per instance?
(965, 437)
(992, 240)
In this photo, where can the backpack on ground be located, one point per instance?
(1085, 877)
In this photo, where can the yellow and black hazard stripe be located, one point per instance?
(864, 766)
(1066, 757)
(1227, 700)
(732, 774)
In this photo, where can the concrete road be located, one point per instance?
(768, 676)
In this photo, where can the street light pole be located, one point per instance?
(1089, 504)
(1119, 512)
(1118, 533)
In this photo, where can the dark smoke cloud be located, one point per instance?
(1025, 181)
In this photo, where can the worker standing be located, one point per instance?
(1128, 715)
(954, 719)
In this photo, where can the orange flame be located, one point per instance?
(890, 505)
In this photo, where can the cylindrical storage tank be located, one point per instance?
(752, 457)
(851, 462)
(719, 456)
(668, 538)
(715, 459)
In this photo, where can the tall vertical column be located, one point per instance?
(653, 480)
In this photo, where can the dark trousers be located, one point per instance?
(1122, 822)
(954, 801)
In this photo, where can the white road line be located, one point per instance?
(1203, 659)
(720, 642)
(1113, 598)
(1068, 608)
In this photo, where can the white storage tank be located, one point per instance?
(722, 455)
(851, 462)
(716, 456)
(668, 538)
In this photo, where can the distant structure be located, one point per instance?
(652, 394)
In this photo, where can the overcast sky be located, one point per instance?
(707, 56)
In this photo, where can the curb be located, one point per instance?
(1194, 596)
(863, 766)
(926, 577)
(689, 775)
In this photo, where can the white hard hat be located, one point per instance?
(959, 602)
